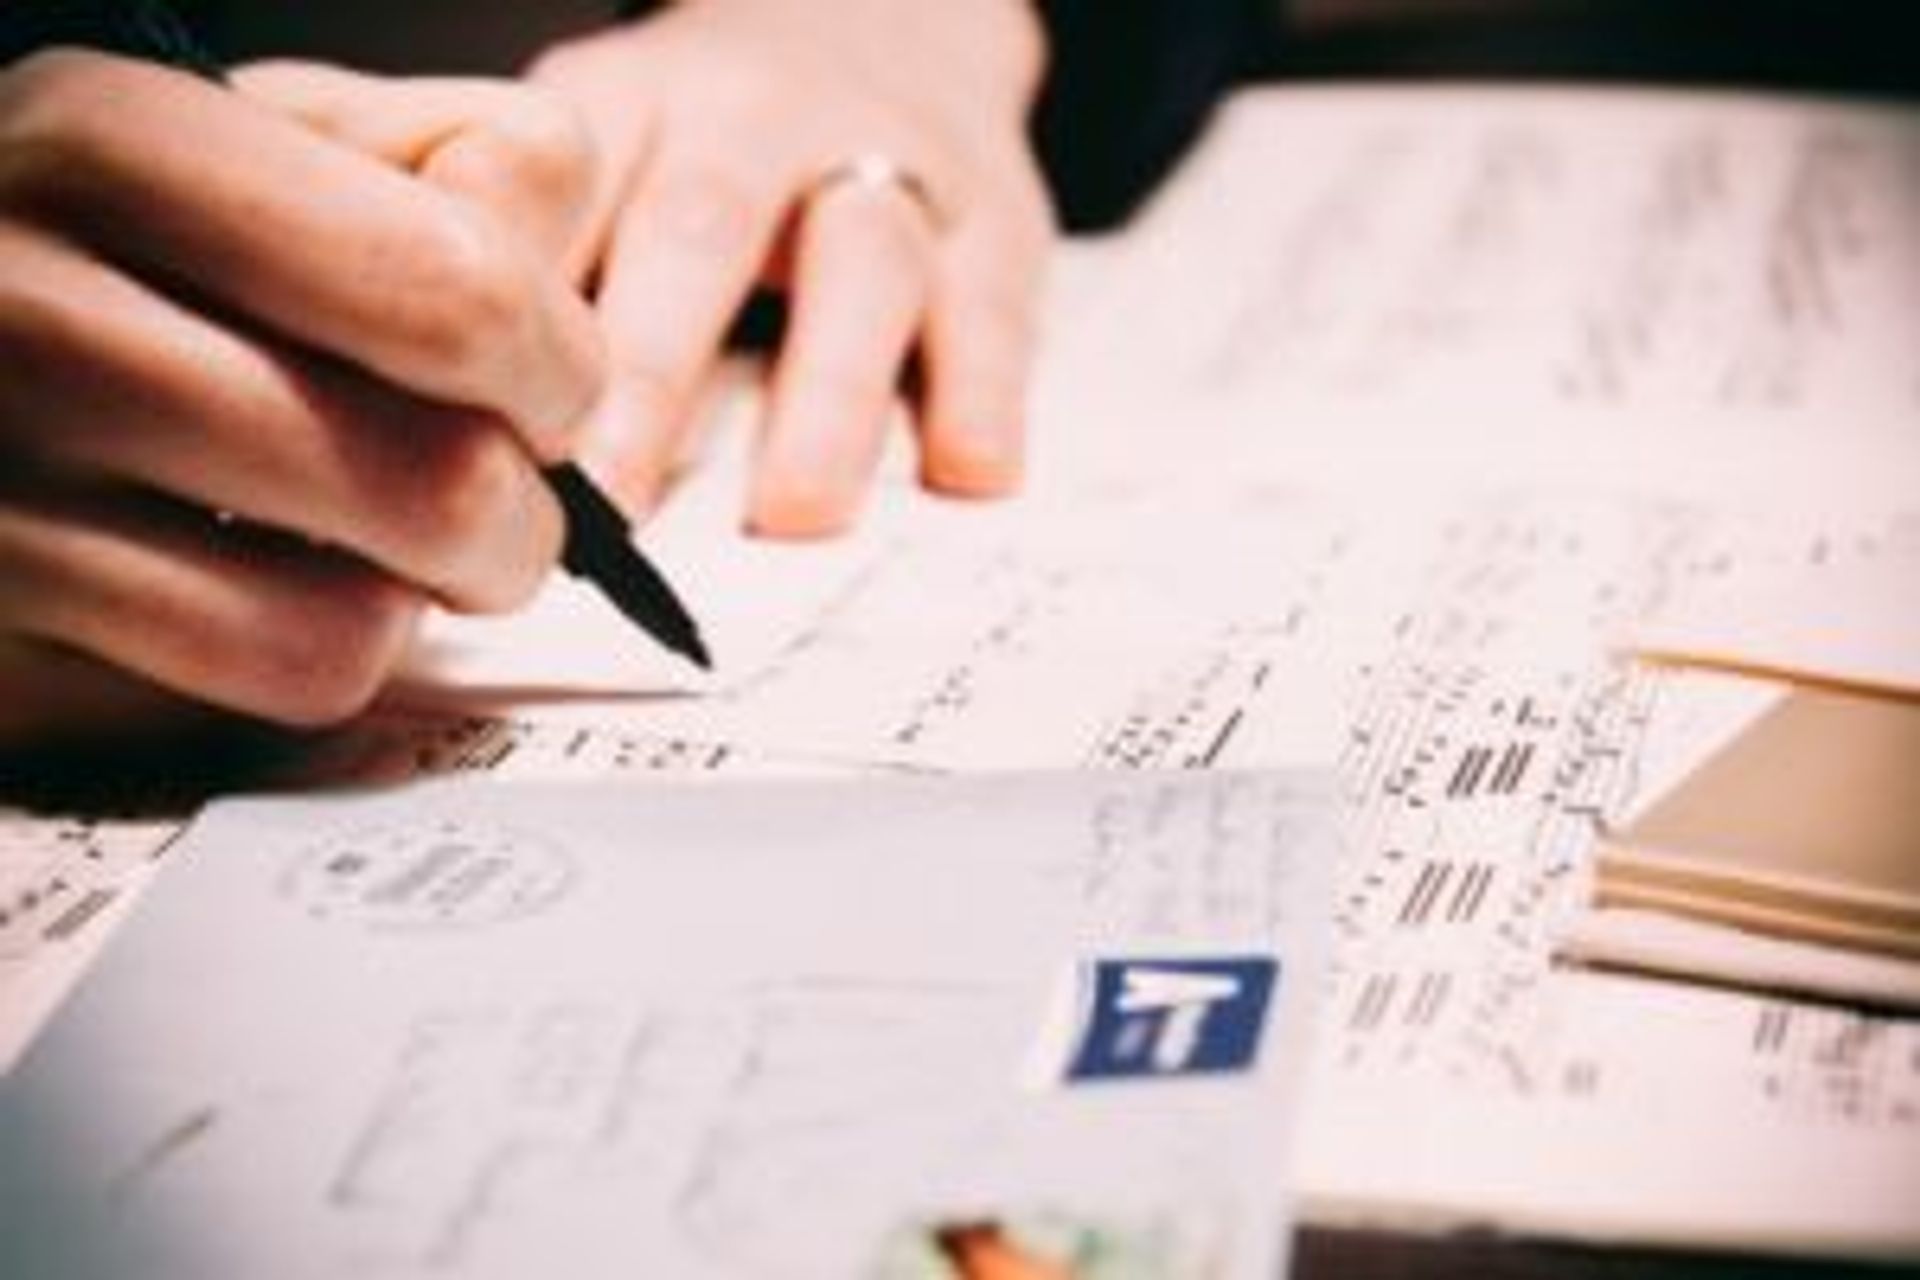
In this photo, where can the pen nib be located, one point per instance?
(599, 548)
(638, 591)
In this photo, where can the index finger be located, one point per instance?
(509, 148)
(332, 249)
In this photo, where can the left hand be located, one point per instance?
(719, 120)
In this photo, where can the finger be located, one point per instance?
(100, 376)
(56, 695)
(514, 151)
(622, 116)
(685, 253)
(859, 288)
(239, 618)
(980, 344)
(330, 248)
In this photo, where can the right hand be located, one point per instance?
(268, 385)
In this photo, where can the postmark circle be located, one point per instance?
(445, 874)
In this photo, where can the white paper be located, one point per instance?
(781, 1030)
(1846, 613)
(1668, 943)
(1506, 250)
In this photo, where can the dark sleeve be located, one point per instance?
(136, 27)
(1131, 83)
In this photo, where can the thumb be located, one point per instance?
(514, 152)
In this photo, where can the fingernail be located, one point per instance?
(801, 504)
(974, 464)
(807, 490)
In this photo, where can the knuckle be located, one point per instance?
(466, 299)
(567, 62)
(755, 89)
(469, 481)
(60, 115)
(546, 147)
(50, 80)
(991, 314)
(333, 666)
(709, 210)
(844, 385)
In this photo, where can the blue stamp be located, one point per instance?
(1171, 1018)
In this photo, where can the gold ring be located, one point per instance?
(878, 171)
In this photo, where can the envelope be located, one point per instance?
(1044, 1025)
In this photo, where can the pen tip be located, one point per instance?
(696, 652)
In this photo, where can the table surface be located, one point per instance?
(1324, 1253)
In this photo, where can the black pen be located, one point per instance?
(599, 544)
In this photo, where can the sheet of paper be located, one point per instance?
(1285, 511)
(63, 883)
(786, 1030)
(1845, 614)
(1663, 942)
(1510, 258)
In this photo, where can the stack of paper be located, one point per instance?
(1808, 826)
(1788, 860)
(1805, 830)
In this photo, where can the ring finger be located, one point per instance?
(861, 280)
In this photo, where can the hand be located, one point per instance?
(206, 307)
(718, 118)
